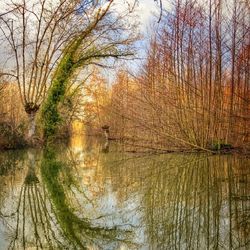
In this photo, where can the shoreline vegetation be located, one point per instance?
(190, 94)
(133, 147)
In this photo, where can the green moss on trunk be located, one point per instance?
(50, 115)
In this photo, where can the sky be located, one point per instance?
(146, 13)
(143, 7)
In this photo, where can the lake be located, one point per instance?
(88, 195)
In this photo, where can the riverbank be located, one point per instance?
(128, 147)
(133, 146)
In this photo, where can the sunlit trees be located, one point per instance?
(207, 44)
(36, 32)
(97, 98)
(193, 87)
(89, 47)
(39, 33)
(12, 117)
(193, 90)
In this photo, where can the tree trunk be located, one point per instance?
(106, 134)
(32, 125)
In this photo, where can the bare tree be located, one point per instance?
(193, 90)
(38, 32)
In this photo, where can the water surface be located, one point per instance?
(89, 196)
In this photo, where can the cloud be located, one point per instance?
(141, 11)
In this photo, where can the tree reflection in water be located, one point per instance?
(45, 218)
(84, 198)
(31, 223)
(203, 204)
